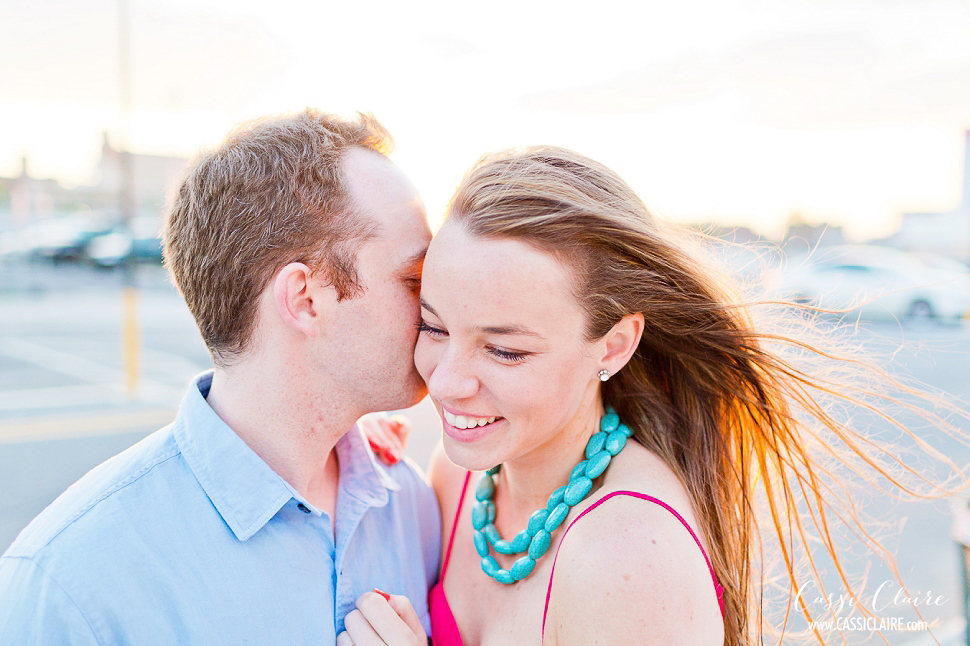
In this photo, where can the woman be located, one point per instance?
(559, 318)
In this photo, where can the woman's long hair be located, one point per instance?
(723, 402)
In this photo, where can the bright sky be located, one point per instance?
(739, 112)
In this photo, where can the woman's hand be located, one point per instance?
(387, 435)
(382, 619)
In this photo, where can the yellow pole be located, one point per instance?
(130, 340)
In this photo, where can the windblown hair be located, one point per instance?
(272, 193)
(707, 390)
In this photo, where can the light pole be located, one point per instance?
(127, 199)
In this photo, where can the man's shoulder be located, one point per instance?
(69, 515)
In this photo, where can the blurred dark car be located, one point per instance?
(142, 243)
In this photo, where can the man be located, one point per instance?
(256, 517)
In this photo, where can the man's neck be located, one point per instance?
(293, 428)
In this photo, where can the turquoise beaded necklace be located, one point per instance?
(535, 539)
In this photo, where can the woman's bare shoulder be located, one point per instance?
(632, 560)
(639, 469)
(635, 564)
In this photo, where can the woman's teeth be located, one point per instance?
(462, 421)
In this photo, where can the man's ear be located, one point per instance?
(300, 300)
(621, 342)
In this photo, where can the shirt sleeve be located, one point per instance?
(35, 609)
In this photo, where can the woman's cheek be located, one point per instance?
(424, 359)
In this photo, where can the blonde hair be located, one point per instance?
(738, 423)
(271, 194)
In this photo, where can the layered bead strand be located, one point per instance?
(535, 539)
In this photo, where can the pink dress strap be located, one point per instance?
(451, 539)
(444, 628)
(635, 494)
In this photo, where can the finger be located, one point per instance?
(381, 445)
(405, 610)
(383, 440)
(343, 639)
(402, 427)
(383, 453)
(360, 629)
(389, 430)
(369, 425)
(371, 419)
(386, 621)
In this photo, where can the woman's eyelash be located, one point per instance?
(514, 357)
(504, 355)
(424, 327)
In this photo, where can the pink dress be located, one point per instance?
(444, 629)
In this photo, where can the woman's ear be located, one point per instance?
(300, 300)
(621, 342)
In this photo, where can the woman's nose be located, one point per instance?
(452, 378)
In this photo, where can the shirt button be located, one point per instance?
(303, 508)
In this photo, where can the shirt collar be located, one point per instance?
(246, 492)
(361, 475)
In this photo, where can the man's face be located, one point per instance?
(377, 330)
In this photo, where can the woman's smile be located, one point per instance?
(464, 427)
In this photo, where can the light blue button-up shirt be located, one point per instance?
(189, 537)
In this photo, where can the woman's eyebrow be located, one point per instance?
(510, 329)
(425, 305)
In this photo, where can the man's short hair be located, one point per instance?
(272, 193)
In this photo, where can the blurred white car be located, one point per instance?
(879, 282)
(57, 239)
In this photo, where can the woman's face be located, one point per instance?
(503, 352)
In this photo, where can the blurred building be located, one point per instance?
(946, 233)
(153, 177)
(25, 199)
